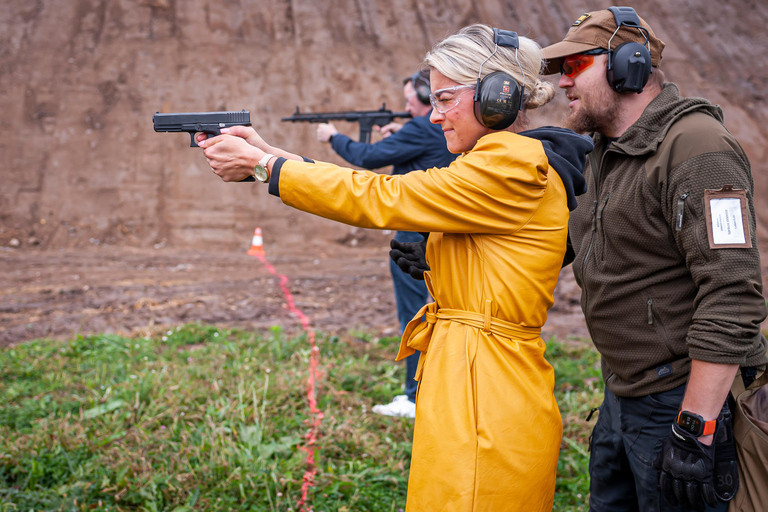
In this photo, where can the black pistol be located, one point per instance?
(210, 123)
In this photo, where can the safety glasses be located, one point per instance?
(574, 65)
(444, 104)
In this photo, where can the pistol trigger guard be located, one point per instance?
(193, 143)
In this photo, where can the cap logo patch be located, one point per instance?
(582, 19)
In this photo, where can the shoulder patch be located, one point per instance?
(584, 17)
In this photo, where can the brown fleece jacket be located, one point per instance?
(654, 293)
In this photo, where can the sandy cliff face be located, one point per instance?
(82, 78)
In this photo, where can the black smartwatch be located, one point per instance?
(695, 424)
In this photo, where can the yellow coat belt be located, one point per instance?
(418, 333)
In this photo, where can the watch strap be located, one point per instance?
(265, 160)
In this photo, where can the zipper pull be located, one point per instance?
(595, 409)
(650, 311)
(594, 220)
(602, 206)
(680, 210)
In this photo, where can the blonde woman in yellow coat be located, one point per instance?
(487, 431)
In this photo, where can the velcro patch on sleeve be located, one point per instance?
(727, 215)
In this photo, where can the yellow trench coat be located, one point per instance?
(487, 431)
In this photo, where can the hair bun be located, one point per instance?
(540, 94)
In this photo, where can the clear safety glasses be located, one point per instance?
(444, 104)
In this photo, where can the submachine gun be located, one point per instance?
(366, 118)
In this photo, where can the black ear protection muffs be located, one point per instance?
(629, 64)
(420, 85)
(498, 96)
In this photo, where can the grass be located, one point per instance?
(201, 418)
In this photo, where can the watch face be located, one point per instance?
(690, 423)
(260, 173)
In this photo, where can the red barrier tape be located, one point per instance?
(317, 414)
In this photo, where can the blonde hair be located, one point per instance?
(459, 57)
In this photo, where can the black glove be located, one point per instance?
(686, 470)
(410, 256)
(686, 467)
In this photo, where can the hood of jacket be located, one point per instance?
(566, 151)
(645, 135)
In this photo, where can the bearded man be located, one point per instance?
(664, 249)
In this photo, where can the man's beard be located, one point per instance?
(588, 119)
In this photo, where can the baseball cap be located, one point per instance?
(592, 31)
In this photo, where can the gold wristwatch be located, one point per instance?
(260, 171)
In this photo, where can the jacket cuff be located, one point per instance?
(716, 356)
(274, 178)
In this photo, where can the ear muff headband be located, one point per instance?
(629, 64)
(498, 96)
(422, 89)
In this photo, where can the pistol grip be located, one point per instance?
(208, 130)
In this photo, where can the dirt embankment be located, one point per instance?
(82, 78)
(99, 214)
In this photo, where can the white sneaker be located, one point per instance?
(400, 406)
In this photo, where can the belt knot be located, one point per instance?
(418, 332)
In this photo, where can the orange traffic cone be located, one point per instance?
(257, 245)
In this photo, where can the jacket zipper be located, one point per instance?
(602, 206)
(591, 236)
(602, 225)
(682, 205)
(596, 177)
(680, 211)
(659, 326)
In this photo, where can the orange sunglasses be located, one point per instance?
(574, 65)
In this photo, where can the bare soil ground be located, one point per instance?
(60, 294)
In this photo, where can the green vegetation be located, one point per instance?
(200, 418)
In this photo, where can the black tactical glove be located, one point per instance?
(692, 473)
(410, 256)
(686, 470)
